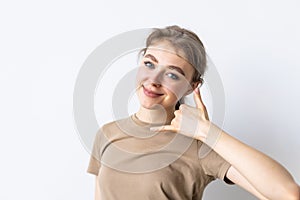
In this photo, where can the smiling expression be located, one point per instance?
(163, 77)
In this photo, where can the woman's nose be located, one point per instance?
(156, 84)
(157, 78)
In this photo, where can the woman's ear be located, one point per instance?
(193, 86)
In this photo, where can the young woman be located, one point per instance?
(154, 154)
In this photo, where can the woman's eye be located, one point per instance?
(149, 64)
(173, 76)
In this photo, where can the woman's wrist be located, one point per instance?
(209, 133)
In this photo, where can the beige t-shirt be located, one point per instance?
(132, 162)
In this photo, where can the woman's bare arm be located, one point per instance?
(265, 175)
(236, 177)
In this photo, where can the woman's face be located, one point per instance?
(163, 77)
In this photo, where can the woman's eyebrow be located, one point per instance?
(151, 57)
(170, 66)
(177, 69)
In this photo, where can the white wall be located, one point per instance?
(254, 45)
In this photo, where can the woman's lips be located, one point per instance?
(150, 93)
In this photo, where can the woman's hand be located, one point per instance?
(190, 121)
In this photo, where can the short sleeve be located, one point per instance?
(95, 164)
(211, 162)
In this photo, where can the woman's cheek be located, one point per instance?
(140, 76)
(178, 89)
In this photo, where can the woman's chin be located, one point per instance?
(152, 106)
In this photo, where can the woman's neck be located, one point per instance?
(155, 116)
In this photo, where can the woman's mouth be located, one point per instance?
(150, 93)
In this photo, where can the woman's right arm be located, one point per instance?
(97, 189)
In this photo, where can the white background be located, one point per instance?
(254, 45)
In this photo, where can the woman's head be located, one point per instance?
(185, 42)
(181, 53)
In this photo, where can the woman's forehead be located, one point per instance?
(166, 46)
